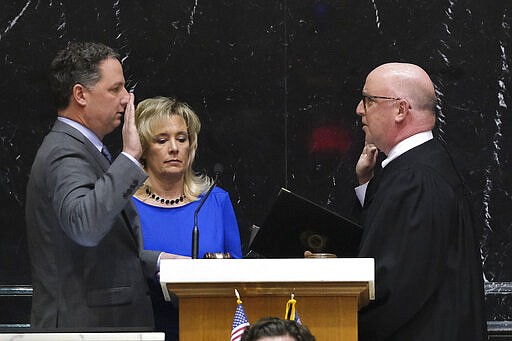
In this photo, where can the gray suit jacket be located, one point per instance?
(84, 237)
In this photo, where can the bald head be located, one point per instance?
(408, 81)
(398, 102)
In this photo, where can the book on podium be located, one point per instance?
(295, 224)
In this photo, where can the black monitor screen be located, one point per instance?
(296, 224)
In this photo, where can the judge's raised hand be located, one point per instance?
(131, 142)
(366, 163)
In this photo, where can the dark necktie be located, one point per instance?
(106, 154)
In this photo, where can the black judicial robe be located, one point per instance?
(418, 226)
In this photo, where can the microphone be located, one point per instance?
(217, 169)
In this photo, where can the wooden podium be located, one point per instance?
(329, 293)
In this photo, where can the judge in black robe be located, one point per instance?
(418, 227)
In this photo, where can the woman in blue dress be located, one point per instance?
(166, 203)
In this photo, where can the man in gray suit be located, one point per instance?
(83, 230)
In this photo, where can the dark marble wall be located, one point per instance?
(275, 84)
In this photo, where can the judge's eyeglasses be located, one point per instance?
(367, 98)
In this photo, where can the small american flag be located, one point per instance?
(240, 323)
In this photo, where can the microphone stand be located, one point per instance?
(195, 230)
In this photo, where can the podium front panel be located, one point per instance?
(328, 292)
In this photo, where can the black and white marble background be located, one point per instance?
(276, 83)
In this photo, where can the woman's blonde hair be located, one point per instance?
(149, 115)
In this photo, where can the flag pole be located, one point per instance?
(238, 300)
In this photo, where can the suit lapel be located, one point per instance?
(101, 161)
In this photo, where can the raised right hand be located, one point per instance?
(366, 163)
(131, 142)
